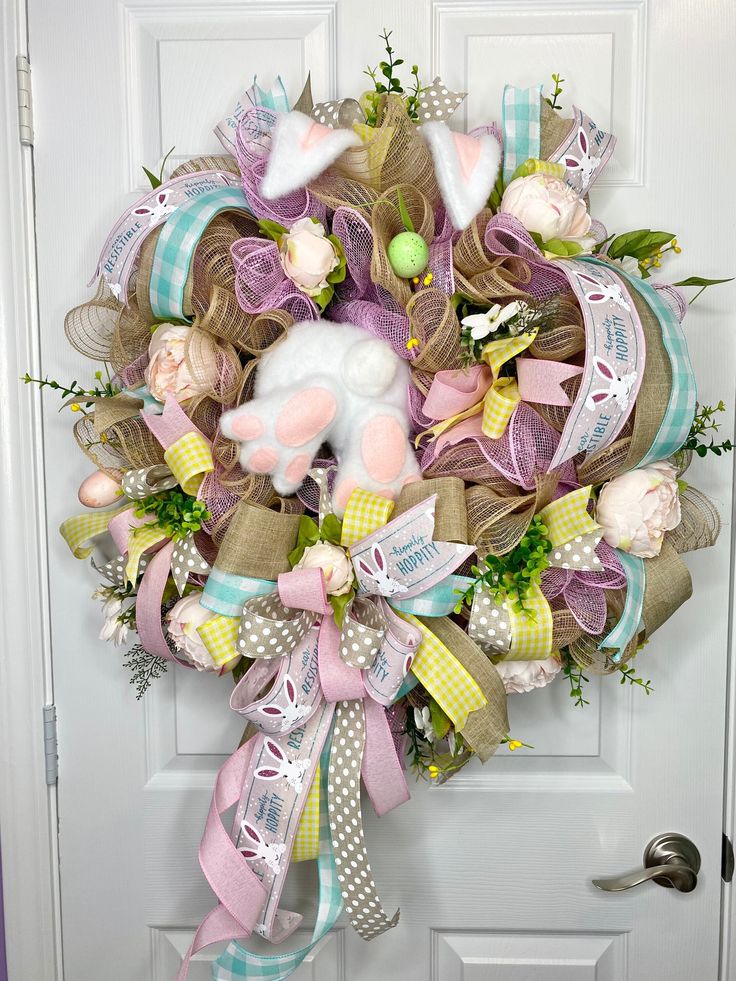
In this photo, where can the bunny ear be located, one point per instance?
(586, 278)
(572, 163)
(274, 749)
(379, 558)
(248, 853)
(466, 169)
(271, 710)
(596, 297)
(267, 773)
(251, 832)
(290, 689)
(583, 141)
(162, 197)
(408, 661)
(364, 567)
(301, 150)
(603, 368)
(598, 397)
(142, 211)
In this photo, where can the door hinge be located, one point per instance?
(726, 858)
(50, 745)
(25, 100)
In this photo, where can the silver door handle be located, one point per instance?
(671, 860)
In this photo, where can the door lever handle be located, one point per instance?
(670, 860)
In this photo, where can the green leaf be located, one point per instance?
(272, 229)
(701, 281)
(440, 722)
(331, 530)
(640, 243)
(339, 603)
(403, 211)
(558, 246)
(155, 181)
(385, 69)
(399, 61)
(308, 535)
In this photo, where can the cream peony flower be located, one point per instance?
(308, 256)
(334, 563)
(167, 372)
(547, 206)
(183, 619)
(523, 676)
(637, 508)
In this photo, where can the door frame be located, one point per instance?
(28, 807)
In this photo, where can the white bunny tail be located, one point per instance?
(466, 168)
(301, 149)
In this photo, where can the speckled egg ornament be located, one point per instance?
(408, 254)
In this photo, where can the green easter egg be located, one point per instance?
(408, 254)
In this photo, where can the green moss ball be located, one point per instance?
(408, 254)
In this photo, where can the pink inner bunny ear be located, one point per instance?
(142, 211)
(267, 773)
(572, 163)
(583, 140)
(290, 689)
(378, 557)
(272, 710)
(596, 297)
(250, 831)
(274, 749)
(586, 278)
(597, 397)
(364, 567)
(603, 368)
(248, 853)
(162, 197)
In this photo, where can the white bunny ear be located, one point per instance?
(603, 368)
(598, 396)
(300, 150)
(379, 558)
(466, 168)
(290, 689)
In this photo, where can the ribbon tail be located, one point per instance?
(148, 605)
(628, 626)
(382, 773)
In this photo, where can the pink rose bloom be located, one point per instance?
(183, 621)
(547, 206)
(167, 372)
(637, 508)
(308, 256)
(523, 676)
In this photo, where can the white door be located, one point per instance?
(492, 872)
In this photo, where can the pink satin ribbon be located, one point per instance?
(171, 424)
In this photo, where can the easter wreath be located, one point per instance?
(387, 427)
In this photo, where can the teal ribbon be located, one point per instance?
(437, 601)
(227, 593)
(680, 411)
(275, 99)
(630, 623)
(176, 245)
(237, 962)
(522, 128)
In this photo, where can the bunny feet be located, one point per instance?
(281, 433)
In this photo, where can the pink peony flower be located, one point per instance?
(183, 621)
(334, 563)
(547, 206)
(308, 256)
(637, 508)
(167, 372)
(523, 676)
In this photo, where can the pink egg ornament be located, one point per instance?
(98, 490)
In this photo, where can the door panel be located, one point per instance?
(492, 872)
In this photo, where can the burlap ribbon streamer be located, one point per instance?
(668, 586)
(258, 542)
(450, 517)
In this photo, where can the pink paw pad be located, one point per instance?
(247, 427)
(305, 415)
(343, 492)
(383, 447)
(262, 461)
(296, 471)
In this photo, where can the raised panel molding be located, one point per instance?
(325, 963)
(185, 63)
(476, 956)
(600, 48)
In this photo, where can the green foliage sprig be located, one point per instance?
(629, 674)
(177, 514)
(144, 669)
(387, 82)
(574, 674)
(511, 576)
(705, 422)
(104, 389)
(157, 181)
(557, 91)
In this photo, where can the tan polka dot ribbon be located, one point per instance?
(145, 481)
(270, 629)
(577, 554)
(185, 561)
(359, 893)
(363, 630)
(489, 623)
(437, 102)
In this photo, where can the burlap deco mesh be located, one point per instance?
(90, 327)
(466, 460)
(564, 334)
(433, 322)
(129, 345)
(226, 163)
(607, 463)
(205, 413)
(214, 366)
(136, 443)
(395, 153)
(496, 524)
(565, 629)
(386, 222)
(481, 277)
(700, 523)
(105, 455)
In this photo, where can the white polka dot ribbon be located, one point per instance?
(489, 624)
(186, 560)
(577, 554)
(359, 892)
(145, 481)
(364, 628)
(437, 102)
(270, 629)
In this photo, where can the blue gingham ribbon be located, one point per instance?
(678, 417)
(227, 593)
(630, 622)
(275, 98)
(437, 601)
(237, 962)
(522, 131)
(176, 244)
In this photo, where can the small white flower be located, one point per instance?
(629, 264)
(483, 324)
(112, 607)
(423, 723)
(451, 742)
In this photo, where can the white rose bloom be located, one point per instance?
(547, 206)
(308, 256)
(523, 676)
(334, 563)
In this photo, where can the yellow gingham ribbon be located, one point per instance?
(531, 166)
(139, 541)
(502, 397)
(444, 677)
(531, 630)
(80, 531)
(365, 513)
(189, 459)
(306, 842)
(219, 634)
(567, 517)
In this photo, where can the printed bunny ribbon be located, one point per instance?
(526, 634)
